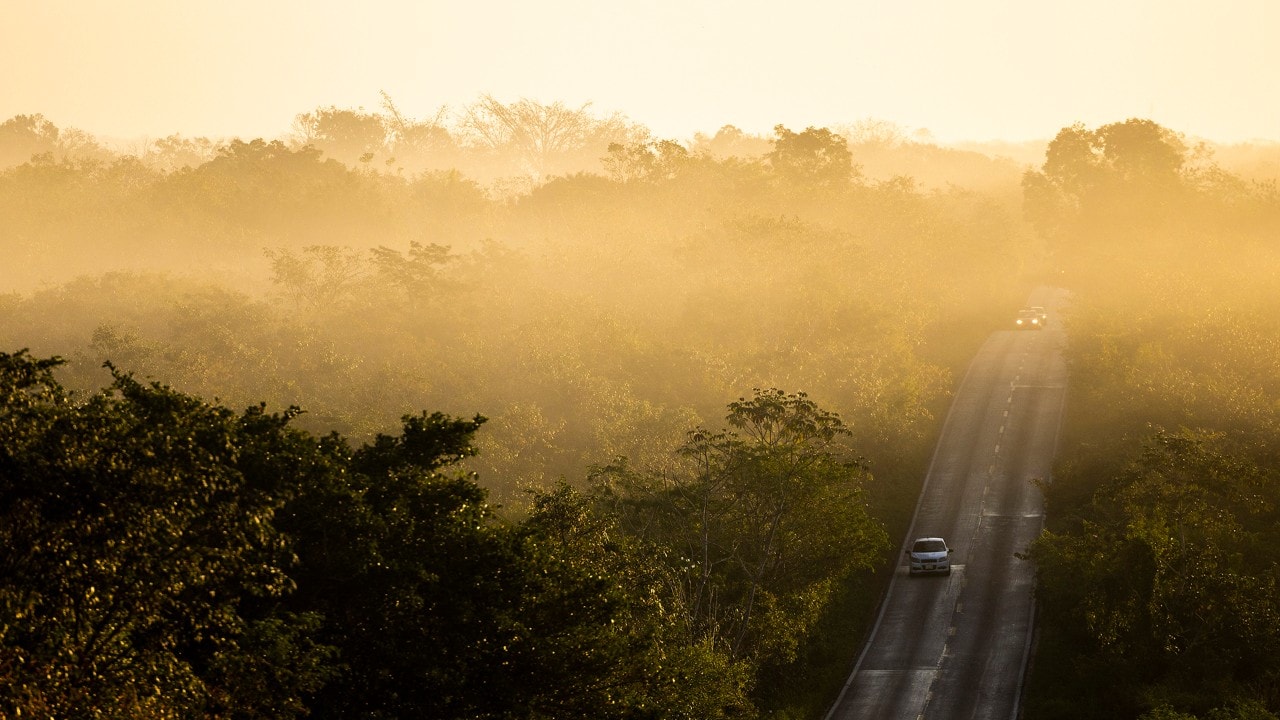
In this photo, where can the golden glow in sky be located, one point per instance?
(975, 70)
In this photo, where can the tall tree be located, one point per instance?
(419, 145)
(141, 563)
(731, 142)
(175, 152)
(23, 136)
(648, 161)
(767, 517)
(816, 157)
(353, 137)
(1106, 180)
(546, 139)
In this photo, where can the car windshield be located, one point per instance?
(929, 546)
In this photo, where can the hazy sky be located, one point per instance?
(963, 70)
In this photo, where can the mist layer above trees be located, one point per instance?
(589, 316)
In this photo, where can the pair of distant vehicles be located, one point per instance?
(930, 555)
(1031, 317)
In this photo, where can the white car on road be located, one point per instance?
(930, 555)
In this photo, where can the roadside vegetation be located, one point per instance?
(1159, 582)
(703, 381)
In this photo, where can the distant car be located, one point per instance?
(1044, 316)
(1029, 319)
(930, 555)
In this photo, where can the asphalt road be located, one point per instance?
(956, 646)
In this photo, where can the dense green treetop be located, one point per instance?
(166, 557)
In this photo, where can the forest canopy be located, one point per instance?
(635, 327)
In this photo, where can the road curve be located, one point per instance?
(956, 646)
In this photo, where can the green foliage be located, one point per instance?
(1164, 712)
(380, 290)
(584, 540)
(645, 161)
(175, 152)
(1170, 571)
(730, 142)
(588, 316)
(760, 522)
(815, 158)
(139, 537)
(352, 137)
(1248, 710)
(24, 136)
(32, 138)
(266, 187)
(1157, 588)
(170, 558)
(1241, 710)
(1095, 182)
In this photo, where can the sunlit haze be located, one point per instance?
(605, 358)
(981, 70)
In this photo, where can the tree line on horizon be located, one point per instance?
(508, 147)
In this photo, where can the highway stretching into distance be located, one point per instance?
(956, 646)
